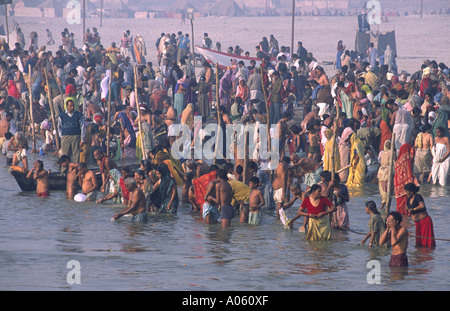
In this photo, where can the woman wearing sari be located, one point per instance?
(161, 155)
(358, 164)
(345, 147)
(386, 131)
(317, 208)
(403, 175)
(329, 152)
(383, 173)
(166, 189)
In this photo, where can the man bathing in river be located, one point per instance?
(136, 205)
(398, 236)
(41, 176)
(88, 182)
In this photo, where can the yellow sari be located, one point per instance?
(358, 169)
(173, 165)
(328, 153)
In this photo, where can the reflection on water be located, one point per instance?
(182, 253)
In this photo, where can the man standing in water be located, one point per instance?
(88, 182)
(136, 204)
(398, 235)
(41, 176)
(224, 195)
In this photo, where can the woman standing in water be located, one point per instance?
(417, 209)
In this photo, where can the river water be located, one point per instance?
(40, 236)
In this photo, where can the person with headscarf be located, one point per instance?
(329, 152)
(166, 189)
(104, 85)
(404, 175)
(441, 120)
(383, 173)
(358, 163)
(13, 90)
(162, 155)
(425, 82)
(140, 49)
(128, 135)
(345, 148)
(225, 87)
(389, 59)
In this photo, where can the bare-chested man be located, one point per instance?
(105, 164)
(224, 196)
(423, 158)
(136, 204)
(170, 116)
(210, 212)
(398, 236)
(280, 183)
(71, 171)
(88, 182)
(41, 176)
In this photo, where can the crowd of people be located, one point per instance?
(362, 124)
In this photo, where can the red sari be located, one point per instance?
(403, 175)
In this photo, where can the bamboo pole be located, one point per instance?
(108, 117)
(138, 112)
(391, 169)
(31, 111)
(336, 122)
(50, 104)
(269, 143)
(219, 123)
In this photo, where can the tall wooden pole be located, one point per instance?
(192, 29)
(108, 117)
(421, 8)
(335, 124)
(7, 24)
(219, 123)
(292, 28)
(101, 13)
(138, 112)
(84, 18)
(50, 104)
(269, 143)
(31, 110)
(391, 169)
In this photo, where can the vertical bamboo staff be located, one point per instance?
(31, 110)
(50, 104)
(246, 155)
(336, 123)
(138, 111)
(269, 143)
(108, 118)
(391, 169)
(218, 113)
